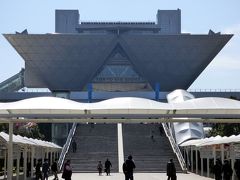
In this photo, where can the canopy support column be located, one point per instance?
(5, 163)
(208, 167)
(32, 160)
(50, 157)
(10, 152)
(214, 154)
(18, 163)
(191, 159)
(25, 163)
(120, 148)
(232, 163)
(43, 154)
(187, 162)
(222, 153)
(196, 156)
(201, 166)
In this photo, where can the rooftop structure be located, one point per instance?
(115, 56)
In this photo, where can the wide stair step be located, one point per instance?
(150, 149)
(95, 142)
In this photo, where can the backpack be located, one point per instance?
(125, 169)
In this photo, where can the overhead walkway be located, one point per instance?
(95, 142)
(14, 83)
(149, 147)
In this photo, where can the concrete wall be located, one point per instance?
(66, 21)
(169, 21)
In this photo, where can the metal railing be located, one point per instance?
(66, 146)
(175, 147)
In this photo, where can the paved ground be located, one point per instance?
(137, 176)
(120, 176)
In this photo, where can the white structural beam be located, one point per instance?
(118, 120)
(10, 152)
(120, 148)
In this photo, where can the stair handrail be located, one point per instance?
(175, 147)
(66, 145)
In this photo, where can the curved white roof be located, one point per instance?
(212, 141)
(123, 105)
(20, 140)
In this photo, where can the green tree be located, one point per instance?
(223, 129)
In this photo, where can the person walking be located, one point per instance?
(74, 146)
(54, 169)
(38, 170)
(171, 170)
(99, 168)
(67, 171)
(227, 170)
(45, 169)
(108, 166)
(128, 168)
(217, 170)
(237, 168)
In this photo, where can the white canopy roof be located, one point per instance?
(120, 106)
(212, 141)
(24, 141)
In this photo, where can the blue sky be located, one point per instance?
(197, 18)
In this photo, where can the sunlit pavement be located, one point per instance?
(137, 176)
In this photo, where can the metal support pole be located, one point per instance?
(43, 154)
(157, 90)
(120, 148)
(191, 159)
(208, 167)
(18, 164)
(25, 163)
(89, 88)
(214, 154)
(232, 162)
(10, 152)
(196, 156)
(201, 166)
(5, 163)
(222, 153)
(32, 160)
(187, 162)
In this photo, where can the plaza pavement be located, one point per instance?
(137, 176)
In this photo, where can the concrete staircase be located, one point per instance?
(95, 142)
(150, 149)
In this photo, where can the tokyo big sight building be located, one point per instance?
(93, 60)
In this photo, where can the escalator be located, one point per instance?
(14, 83)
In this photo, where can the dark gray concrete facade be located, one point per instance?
(117, 54)
(64, 62)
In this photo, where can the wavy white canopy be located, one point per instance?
(212, 141)
(24, 141)
(120, 107)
